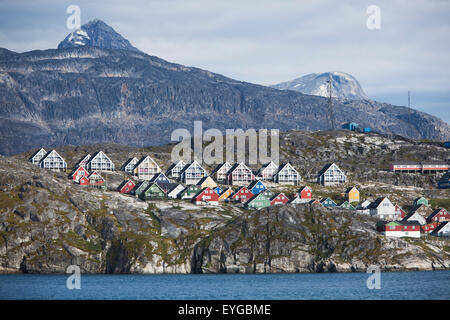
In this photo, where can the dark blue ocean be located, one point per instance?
(394, 285)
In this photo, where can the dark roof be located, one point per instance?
(439, 227)
(325, 168)
(435, 212)
(376, 203)
(153, 179)
(124, 165)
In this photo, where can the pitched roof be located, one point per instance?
(440, 226)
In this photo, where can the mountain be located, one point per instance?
(98, 34)
(345, 86)
(92, 94)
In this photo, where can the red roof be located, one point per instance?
(279, 199)
(242, 194)
(127, 187)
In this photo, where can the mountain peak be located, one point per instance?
(96, 33)
(344, 85)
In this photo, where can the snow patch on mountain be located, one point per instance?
(344, 85)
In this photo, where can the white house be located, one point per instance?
(443, 230)
(37, 156)
(330, 175)
(383, 209)
(53, 161)
(175, 169)
(267, 171)
(100, 162)
(175, 191)
(415, 216)
(192, 173)
(363, 207)
(287, 175)
(130, 164)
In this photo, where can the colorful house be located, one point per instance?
(95, 179)
(258, 201)
(267, 171)
(140, 188)
(287, 175)
(160, 178)
(127, 186)
(429, 227)
(241, 195)
(100, 162)
(53, 161)
(146, 168)
(352, 194)
(218, 190)
(226, 194)
(279, 199)
(439, 215)
(444, 181)
(352, 126)
(347, 205)
(399, 229)
(83, 161)
(399, 213)
(37, 156)
(443, 230)
(83, 181)
(129, 165)
(153, 192)
(192, 173)
(305, 194)
(256, 186)
(421, 200)
(268, 193)
(175, 169)
(175, 191)
(240, 174)
(206, 196)
(78, 173)
(383, 209)
(189, 192)
(220, 172)
(328, 203)
(331, 175)
(207, 182)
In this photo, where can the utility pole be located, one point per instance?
(330, 105)
(409, 114)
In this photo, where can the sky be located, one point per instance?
(267, 42)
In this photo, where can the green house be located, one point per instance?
(420, 201)
(140, 188)
(154, 191)
(328, 203)
(269, 194)
(258, 201)
(189, 192)
(347, 205)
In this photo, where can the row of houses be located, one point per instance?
(191, 173)
(423, 167)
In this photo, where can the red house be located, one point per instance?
(127, 187)
(305, 193)
(83, 181)
(242, 195)
(206, 196)
(439, 215)
(429, 227)
(78, 174)
(279, 199)
(95, 179)
(399, 212)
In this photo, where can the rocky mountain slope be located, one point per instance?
(47, 222)
(345, 86)
(89, 94)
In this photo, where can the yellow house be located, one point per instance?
(207, 182)
(226, 194)
(352, 194)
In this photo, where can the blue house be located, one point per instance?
(328, 203)
(256, 187)
(367, 130)
(447, 144)
(444, 181)
(350, 126)
(218, 190)
(160, 178)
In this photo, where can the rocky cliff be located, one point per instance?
(48, 223)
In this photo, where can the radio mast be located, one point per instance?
(330, 104)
